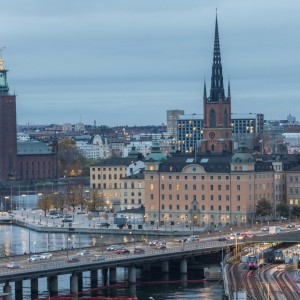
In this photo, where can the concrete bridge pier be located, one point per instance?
(19, 290)
(112, 275)
(183, 266)
(183, 278)
(146, 267)
(132, 291)
(104, 275)
(132, 274)
(7, 289)
(80, 283)
(52, 285)
(74, 283)
(94, 279)
(165, 266)
(34, 286)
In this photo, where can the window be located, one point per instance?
(203, 187)
(238, 187)
(151, 187)
(162, 206)
(194, 187)
(170, 207)
(203, 197)
(220, 197)
(220, 207)
(177, 187)
(125, 185)
(177, 197)
(162, 186)
(211, 187)
(227, 207)
(170, 186)
(227, 187)
(186, 207)
(151, 196)
(211, 207)
(211, 197)
(186, 187)
(227, 197)
(132, 185)
(177, 207)
(219, 187)
(162, 197)
(238, 198)
(170, 196)
(194, 177)
(186, 197)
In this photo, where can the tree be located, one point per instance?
(283, 210)
(95, 201)
(59, 201)
(45, 202)
(296, 211)
(73, 195)
(263, 208)
(71, 161)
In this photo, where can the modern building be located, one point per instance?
(172, 117)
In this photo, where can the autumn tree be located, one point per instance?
(71, 161)
(59, 201)
(45, 202)
(95, 201)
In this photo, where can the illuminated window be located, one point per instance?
(151, 187)
(177, 187)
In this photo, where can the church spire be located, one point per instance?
(217, 88)
(204, 93)
(229, 93)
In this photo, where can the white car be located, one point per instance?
(46, 255)
(12, 265)
(83, 252)
(34, 258)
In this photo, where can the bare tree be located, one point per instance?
(95, 201)
(59, 201)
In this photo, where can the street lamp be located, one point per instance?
(34, 217)
(27, 213)
(34, 247)
(68, 240)
(102, 243)
(40, 218)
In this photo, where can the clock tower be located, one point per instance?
(217, 131)
(8, 130)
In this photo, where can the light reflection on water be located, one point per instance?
(16, 240)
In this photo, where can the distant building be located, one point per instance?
(172, 117)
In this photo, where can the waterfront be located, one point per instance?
(15, 240)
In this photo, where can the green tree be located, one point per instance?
(282, 210)
(45, 202)
(296, 211)
(263, 208)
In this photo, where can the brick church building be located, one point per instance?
(21, 161)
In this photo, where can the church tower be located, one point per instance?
(217, 131)
(8, 130)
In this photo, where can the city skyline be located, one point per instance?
(128, 62)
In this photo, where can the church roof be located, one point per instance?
(33, 148)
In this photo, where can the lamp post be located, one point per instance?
(27, 213)
(68, 240)
(34, 246)
(34, 217)
(40, 217)
(102, 243)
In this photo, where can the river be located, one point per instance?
(16, 240)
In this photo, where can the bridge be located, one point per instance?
(58, 265)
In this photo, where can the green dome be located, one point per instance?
(155, 154)
(242, 156)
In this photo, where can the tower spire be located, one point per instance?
(217, 88)
(229, 93)
(204, 93)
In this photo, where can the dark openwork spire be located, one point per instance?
(217, 88)
(204, 93)
(229, 93)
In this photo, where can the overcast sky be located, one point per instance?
(126, 62)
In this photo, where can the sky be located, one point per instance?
(126, 62)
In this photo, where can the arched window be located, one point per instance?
(212, 119)
(225, 119)
(212, 147)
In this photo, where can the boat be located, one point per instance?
(5, 217)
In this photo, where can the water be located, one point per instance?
(16, 240)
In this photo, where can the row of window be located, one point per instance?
(203, 207)
(132, 201)
(109, 169)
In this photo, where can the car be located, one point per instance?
(246, 235)
(83, 252)
(55, 217)
(160, 246)
(112, 248)
(98, 257)
(235, 235)
(181, 240)
(73, 259)
(81, 212)
(222, 238)
(291, 225)
(139, 251)
(66, 220)
(67, 216)
(154, 242)
(46, 255)
(34, 258)
(13, 265)
(123, 251)
(101, 225)
(265, 228)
